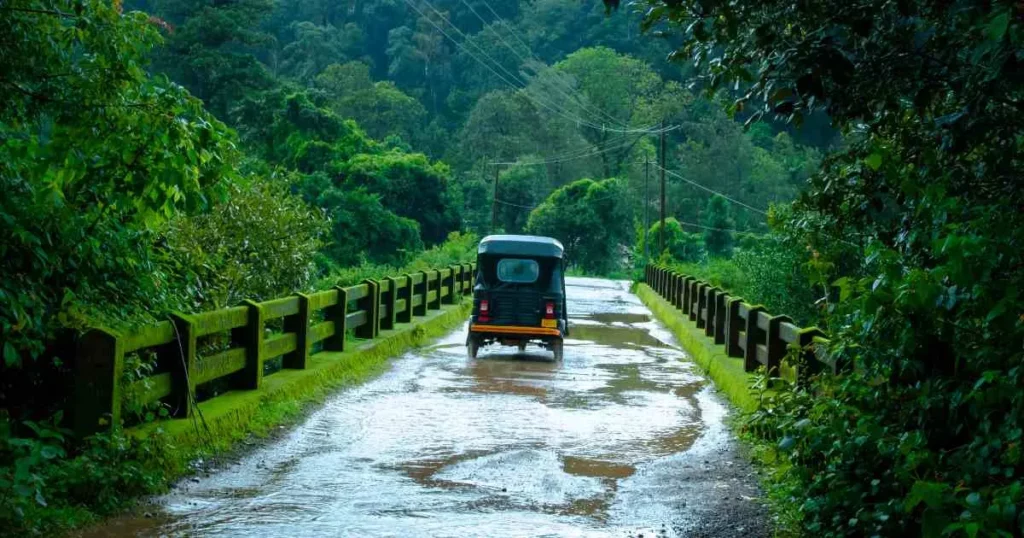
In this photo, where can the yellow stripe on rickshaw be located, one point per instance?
(511, 329)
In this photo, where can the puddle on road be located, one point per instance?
(511, 444)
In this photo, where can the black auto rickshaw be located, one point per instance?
(519, 297)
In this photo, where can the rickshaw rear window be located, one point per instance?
(518, 271)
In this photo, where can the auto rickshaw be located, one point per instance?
(519, 296)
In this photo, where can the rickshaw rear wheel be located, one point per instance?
(472, 347)
(556, 347)
(521, 346)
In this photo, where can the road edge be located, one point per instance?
(728, 376)
(726, 372)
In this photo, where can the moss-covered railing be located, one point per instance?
(251, 336)
(746, 330)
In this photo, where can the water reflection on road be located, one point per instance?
(507, 445)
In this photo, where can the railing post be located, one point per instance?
(750, 362)
(436, 303)
(776, 345)
(251, 338)
(677, 287)
(733, 324)
(449, 283)
(405, 316)
(424, 289)
(298, 324)
(721, 311)
(371, 305)
(388, 301)
(694, 290)
(339, 315)
(686, 295)
(702, 302)
(810, 364)
(457, 282)
(96, 396)
(710, 304)
(183, 388)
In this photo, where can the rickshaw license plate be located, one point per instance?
(551, 323)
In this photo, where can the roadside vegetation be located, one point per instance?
(908, 241)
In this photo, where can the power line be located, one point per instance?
(701, 226)
(593, 152)
(536, 100)
(531, 208)
(712, 191)
(579, 98)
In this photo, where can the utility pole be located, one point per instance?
(494, 199)
(647, 204)
(661, 229)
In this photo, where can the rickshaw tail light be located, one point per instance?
(549, 310)
(485, 306)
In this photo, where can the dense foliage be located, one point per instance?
(193, 153)
(918, 223)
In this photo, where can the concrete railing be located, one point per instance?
(746, 330)
(307, 322)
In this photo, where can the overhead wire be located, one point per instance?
(579, 98)
(708, 189)
(476, 58)
(591, 152)
(522, 85)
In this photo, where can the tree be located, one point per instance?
(380, 108)
(591, 218)
(361, 226)
(718, 234)
(680, 244)
(520, 188)
(314, 47)
(210, 49)
(410, 186)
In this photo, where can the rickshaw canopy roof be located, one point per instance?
(521, 245)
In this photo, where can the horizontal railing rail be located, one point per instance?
(243, 342)
(747, 331)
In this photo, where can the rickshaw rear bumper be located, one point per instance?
(515, 330)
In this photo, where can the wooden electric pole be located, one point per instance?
(494, 200)
(661, 228)
(647, 204)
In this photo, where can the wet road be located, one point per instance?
(622, 439)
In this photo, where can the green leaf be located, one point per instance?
(845, 288)
(997, 27)
(11, 355)
(930, 493)
(874, 161)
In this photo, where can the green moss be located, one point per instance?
(223, 421)
(726, 372)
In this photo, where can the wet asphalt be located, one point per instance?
(625, 437)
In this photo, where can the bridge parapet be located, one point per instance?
(182, 358)
(747, 331)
